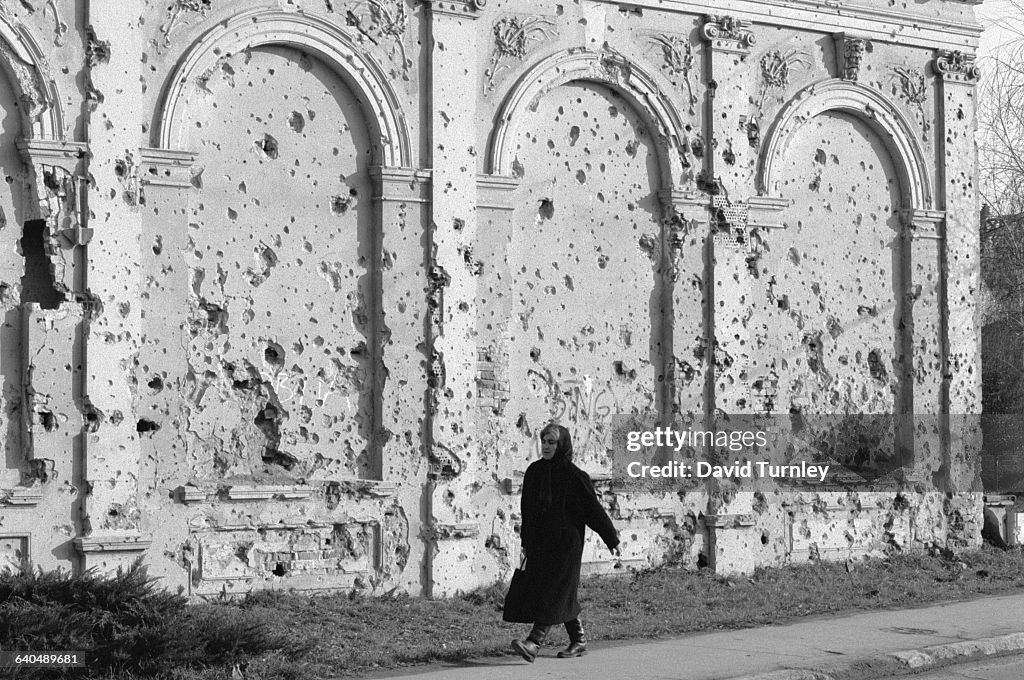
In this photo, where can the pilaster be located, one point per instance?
(110, 513)
(923, 328)
(958, 76)
(451, 439)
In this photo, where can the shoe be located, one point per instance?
(526, 649)
(573, 650)
(577, 640)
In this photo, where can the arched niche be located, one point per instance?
(865, 103)
(611, 69)
(25, 67)
(317, 36)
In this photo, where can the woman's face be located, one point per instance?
(549, 444)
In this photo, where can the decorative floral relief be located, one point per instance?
(511, 37)
(200, 6)
(678, 61)
(776, 69)
(60, 27)
(383, 21)
(913, 90)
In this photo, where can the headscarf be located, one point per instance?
(562, 458)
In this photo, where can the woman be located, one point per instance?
(558, 502)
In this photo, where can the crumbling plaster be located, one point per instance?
(323, 270)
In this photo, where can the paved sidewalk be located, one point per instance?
(859, 646)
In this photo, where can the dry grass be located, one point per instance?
(282, 636)
(358, 635)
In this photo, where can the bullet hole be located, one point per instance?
(819, 157)
(37, 283)
(764, 538)
(517, 169)
(865, 310)
(813, 348)
(569, 283)
(268, 146)
(602, 261)
(274, 354)
(145, 426)
(296, 122)
(232, 214)
(523, 426)
(458, 224)
(340, 204)
(623, 372)
(876, 367)
(647, 243)
(535, 353)
(753, 134)
(156, 384)
(574, 135)
(158, 247)
(581, 177)
(794, 256)
(546, 209)
(728, 155)
(48, 421)
(697, 147)
(120, 169)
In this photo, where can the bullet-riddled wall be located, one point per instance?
(291, 287)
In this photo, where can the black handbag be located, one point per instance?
(519, 603)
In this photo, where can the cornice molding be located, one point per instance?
(884, 25)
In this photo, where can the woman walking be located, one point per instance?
(558, 502)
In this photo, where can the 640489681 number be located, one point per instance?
(41, 659)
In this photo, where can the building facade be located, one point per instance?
(291, 287)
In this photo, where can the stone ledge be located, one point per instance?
(113, 543)
(189, 493)
(22, 496)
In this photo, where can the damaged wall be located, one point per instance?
(296, 312)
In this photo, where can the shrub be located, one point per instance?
(123, 622)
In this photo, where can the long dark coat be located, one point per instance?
(552, 536)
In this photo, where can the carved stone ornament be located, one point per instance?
(849, 54)
(459, 8)
(511, 36)
(382, 21)
(776, 69)
(678, 61)
(179, 7)
(728, 33)
(957, 66)
(913, 89)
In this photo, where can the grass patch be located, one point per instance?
(135, 630)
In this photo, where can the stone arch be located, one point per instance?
(608, 68)
(865, 103)
(22, 61)
(313, 34)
